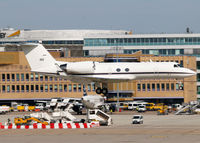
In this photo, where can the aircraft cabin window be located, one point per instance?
(118, 69)
(126, 69)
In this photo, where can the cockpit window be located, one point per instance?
(176, 65)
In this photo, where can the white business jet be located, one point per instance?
(86, 72)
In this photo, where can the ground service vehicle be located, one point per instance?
(4, 109)
(20, 108)
(39, 106)
(162, 112)
(150, 106)
(160, 106)
(137, 119)
(28, 121)
(31, 108)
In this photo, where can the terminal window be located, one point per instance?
(158, 87)
(8, 77)
(138, 87)
(74, 87)
(70, 88)
(163, 86)
(79, 87)
(153, 86)
(36, 88)
(27, 88)
(8, 88)
(50, 88)
(22, 77)
(60, 87)
(13, 88)
(3, 88)
(56, 88)
(46, 88)
(143, 87)
(65, 87)
(41, 88)
(3, 77)
(89, 87)
(13, 77)
(22, 88)
(32, 88)
(18, 88)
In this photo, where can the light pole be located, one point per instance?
(117, 60)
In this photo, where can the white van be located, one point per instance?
(137, 119)
(133, 105)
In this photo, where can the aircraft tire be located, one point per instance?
(104, 91)
(98, 90)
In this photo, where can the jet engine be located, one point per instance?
(78, 67)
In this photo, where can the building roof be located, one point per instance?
(58, 34)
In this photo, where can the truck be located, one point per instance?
(20, 108)
(4, 109)
(160, 106)
(150, 106)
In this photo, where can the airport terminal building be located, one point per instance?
(18, 83)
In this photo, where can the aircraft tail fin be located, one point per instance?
(40, 60)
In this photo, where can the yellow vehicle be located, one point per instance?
(31, 108)
(27, 120)
(163, 111)
(160, 106)
(124, 105)
(150, 106)
(20, 108)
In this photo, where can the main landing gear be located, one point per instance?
(102, 90)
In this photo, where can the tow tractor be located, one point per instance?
(28, 120)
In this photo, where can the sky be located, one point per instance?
(140, 16)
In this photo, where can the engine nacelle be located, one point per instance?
(78, 67)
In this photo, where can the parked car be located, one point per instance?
(137, 119)
(141, 108)
(133, 105)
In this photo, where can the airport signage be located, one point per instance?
(2, 35)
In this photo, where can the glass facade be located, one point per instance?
(160, 87)
(141, 41)
(156, 51)
(63, 42)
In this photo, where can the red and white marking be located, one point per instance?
(51, 126)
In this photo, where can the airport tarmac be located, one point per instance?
(156, 129)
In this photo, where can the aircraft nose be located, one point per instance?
(191, 72)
